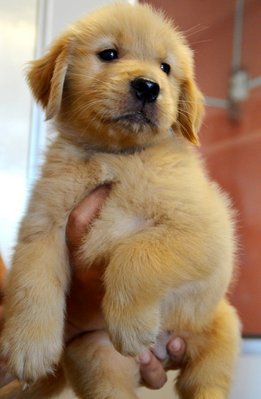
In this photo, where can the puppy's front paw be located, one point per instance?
(132, 341)
(133, 335)
(30, 353)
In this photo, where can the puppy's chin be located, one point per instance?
(129, 130)
(135, 120)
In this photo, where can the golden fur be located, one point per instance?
(165, 233)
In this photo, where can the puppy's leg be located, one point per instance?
(97, 371)
(46, 388)
(32, 337)
(212, 356)
(142, 269)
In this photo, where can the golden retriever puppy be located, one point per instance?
(119, 88)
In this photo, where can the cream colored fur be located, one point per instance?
(165, 233)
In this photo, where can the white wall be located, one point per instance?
(17, 40)
(63, 12)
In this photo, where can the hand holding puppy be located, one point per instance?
(83, 316)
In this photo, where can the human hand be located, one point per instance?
(153, 373)
(84, 301)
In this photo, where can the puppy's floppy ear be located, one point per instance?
(47, 74)
(190, 110)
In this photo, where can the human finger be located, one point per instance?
(152, 372)
(176, 348)
(83, 214)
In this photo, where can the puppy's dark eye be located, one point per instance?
(165, 68)
(108, 55)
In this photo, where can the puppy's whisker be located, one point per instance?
(201, 41)
(195, 30)
(185, 113)
(190, 102)
(81, 105)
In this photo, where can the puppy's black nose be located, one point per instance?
(145, 90)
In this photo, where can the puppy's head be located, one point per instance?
(120, 78)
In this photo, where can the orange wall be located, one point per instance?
(232, 149)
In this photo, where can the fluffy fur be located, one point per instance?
(165, 233)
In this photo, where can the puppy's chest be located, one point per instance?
(141, 197)
(141, 186)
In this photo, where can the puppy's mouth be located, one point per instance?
(134, 117)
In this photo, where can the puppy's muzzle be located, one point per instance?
(145, 90)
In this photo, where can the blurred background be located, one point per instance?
(225, 36)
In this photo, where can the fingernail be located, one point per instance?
(176, 345)
(144, 357)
